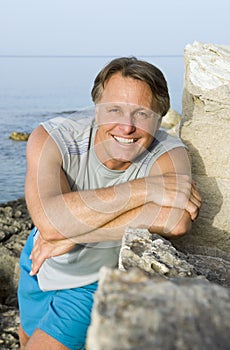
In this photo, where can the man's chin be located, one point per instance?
(124, 158)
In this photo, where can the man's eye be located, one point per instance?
(114, 110)
(142, 115)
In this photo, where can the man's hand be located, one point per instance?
(194, 203)
(43, 250)
(175, 191)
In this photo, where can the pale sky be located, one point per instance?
(104, 27)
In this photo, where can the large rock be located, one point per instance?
(205, 128)
(157, 255)
(152, 254)
(134, 312)
(160, 299)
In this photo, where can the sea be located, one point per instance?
(36, 88)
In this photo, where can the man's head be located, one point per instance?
(131, 96)
(139, 70)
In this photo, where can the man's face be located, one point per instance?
(126, 121)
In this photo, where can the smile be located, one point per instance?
(123, 140)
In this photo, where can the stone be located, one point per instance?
(171, 122)
(19, 136)
(9, 322)
(157, 255)
(7, 285)
(152, 254)
(15, 225)
(161, 299)
(205, 129)
(135, 312)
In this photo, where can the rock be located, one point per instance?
(161, 299)
(9, 322)
(171, 122)
(157, 255)
(15, 225)
(205, 129)
(7, 280)
(19, 136)
(133, 312)
(153, 254)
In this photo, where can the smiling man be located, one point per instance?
(88, 178)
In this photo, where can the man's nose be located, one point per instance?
(127, 124)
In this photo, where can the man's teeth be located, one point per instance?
(122, 140)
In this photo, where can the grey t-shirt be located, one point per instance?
(75, 138)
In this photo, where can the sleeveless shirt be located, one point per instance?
(74, 137)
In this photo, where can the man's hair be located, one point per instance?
(136, 69)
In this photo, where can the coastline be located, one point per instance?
(15, 225)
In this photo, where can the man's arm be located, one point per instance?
(59, 213)
(168, 221)
(46, 184)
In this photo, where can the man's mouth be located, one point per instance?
(124, 140)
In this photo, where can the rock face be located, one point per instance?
(151, 304)
(205, 128)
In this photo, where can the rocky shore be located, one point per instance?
(15, 225)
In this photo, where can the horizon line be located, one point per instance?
(83, 56)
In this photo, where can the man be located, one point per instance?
(87, 179)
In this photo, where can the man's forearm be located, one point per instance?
(168, 222)
(59, 213)
(72, 214)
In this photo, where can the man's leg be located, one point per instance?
(55, 320)
(33, 304)
(23, 338)
(61, 316)
(42, 341)
(38, 341)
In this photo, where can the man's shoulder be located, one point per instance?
(76, 123)
(164, 139)
(162, 143)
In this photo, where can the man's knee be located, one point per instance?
(23, 337)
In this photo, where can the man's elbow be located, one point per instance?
(182, 227)
(48, 232)
(181, 230)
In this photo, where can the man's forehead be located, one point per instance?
(128, 90)
(124, 105)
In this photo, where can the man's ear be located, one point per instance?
(159, 123)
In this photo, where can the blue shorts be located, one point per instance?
(63, 314)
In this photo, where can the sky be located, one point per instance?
(114, 28)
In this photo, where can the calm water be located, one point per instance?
(33, 89)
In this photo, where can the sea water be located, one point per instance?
(33, 89)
